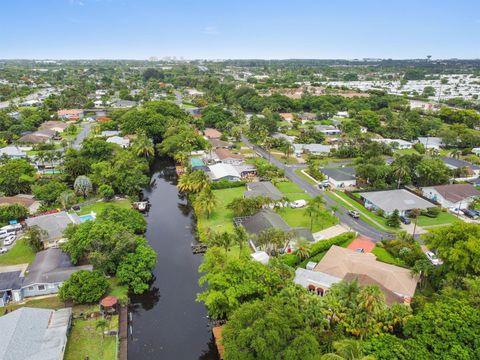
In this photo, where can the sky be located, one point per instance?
(241, 29)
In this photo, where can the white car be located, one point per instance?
(298, 204)
(456, 211)
(433, 258)
(9, 240)
(3, 250)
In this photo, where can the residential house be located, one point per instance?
(395, 143)
(21, 199)
(223, 171)
(217, 144)
(313, 149)
(13, 152)
(472, 170)
(263, 188)
(70, 114)
(390, 200)
(211, 133)
(57, 126)
(476, 151)
(290, 139)
(227, 157)
(288, 117)
(109, 133)
(265, 219)
(246, 170)
(431, 142)
(307, 116)
(122, 104)
(328, 130)
(458, 196)
(120, 141)
(38, 137)
(397, 283)
(342, 114)
(340, 177)
(54, 224)
(34, 334)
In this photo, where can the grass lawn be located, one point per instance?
(384, 256)
(292, 191)
(20, 253)
(86, 341)
(221, 219)
(281, 157)
(52, 302)
(305, 177)
(299, 218)
(444, 218)
(118, 290)
(98, 207)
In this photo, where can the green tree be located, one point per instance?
(106, 192)
(393, 219)
(347, 349)
(240, 238)
(314, 209)
(101, 324)
(49, 192)
(16, 176)
(205, 202)
(143, 146)
(35, 237)
(12, 212)
(303, 248)
(66, 199)
(84, 287)
(194, 181)
(83, 185)
(136, 268)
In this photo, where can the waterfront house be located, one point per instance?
(222, 171)
(227, 157)
(54, 224)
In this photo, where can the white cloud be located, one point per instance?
(210, 30)
(77, 2)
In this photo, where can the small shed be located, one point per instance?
(109, 304)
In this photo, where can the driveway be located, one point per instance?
(357, 225)
(77, 144)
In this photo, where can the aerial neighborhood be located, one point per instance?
(283, 210)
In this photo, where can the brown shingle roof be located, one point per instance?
(457, 192)
(24, 200)
(212, 133)
(339, 262)
(227, 154)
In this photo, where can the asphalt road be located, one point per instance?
(357, 225)
(77, 144)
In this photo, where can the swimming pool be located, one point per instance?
(52, 171)
(86, 217)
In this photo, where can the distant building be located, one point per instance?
(120, 141)
(123, 104)
(431, 142)
(458, 196)
(313, 149)
(13, 152)
(395, 143)
(34, 334)
(472, 170)
(227, 157)
(109, 133)
(328, 129)
(211, 133)
(67, 114)
(57, 126)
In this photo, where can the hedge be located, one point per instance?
(225, 184)
(317, 248)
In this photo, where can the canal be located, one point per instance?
(167, 323)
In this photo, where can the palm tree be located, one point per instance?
(223, 239)
(271, 239)
(66, 199)
(102, 325)
(205, 202)
(181, 158)
(423, 269)
(143, 146)
(82, 185)
(241, 238)
(456, 153)
(314, 209)
(400, 170)
(194, 181)
(303, 248)
(347, 349)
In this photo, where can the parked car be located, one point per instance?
(3, 250)
(433, 258)
(406, 220)
(298, 204)
(9, 240)
(354, 214)
(456, 211)
(470, 213)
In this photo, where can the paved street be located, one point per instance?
(82, 135)
(357, 225)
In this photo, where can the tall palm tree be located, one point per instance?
(193, 181)
(314, 209)
(456, 153)
(303, 248)
(347, 349)
(423, 269)
(224, 240)
(143, 146)
(401, 170)
(241, 238)
(205, 202)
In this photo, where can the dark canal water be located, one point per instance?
(167, 323)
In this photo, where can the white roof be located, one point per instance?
(108, 133)
(221, 170)
(400, 199)
(305, 277)
(260, 256)
(390, 141)
(118, 140)
(313, 148)
(12, 151)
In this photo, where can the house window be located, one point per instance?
(41, 287)
(30, 288)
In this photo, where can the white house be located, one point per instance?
(458, 196)
(476, 151)
(122, 142)
(13, 152)
(314, 149)
(395, 143)
(222, 171)
(340, 177)
(431, 142)
(328, 129)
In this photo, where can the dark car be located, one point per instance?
(405, 220)
(470, 213)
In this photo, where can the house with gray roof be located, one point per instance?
(472, 170)
(263, 188)
(34, 334)
(390, 200)
(13, 152)
(54, 224)
(313, 149)
(431, 142)
(340, 177)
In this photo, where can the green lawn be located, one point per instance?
(299, 218)
(305, 177)
(118, 290)
(52, 302)
(292, 191)
(281, 157)
(221, 219)
(20, 253)
(98, 207)
(86, 341)
(444, 218)
(384, 256)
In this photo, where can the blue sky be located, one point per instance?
(213, 29)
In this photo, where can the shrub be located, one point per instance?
(84, 287)
(225, 184)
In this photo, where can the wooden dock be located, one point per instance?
(199, 248)
(123, 333)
